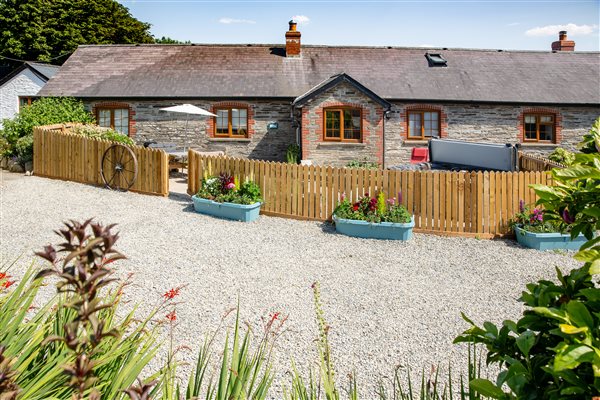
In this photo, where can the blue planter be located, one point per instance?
(237, 212)
(548, 241)
(369, 230)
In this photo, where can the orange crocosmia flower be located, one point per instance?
(172, 316)
(7, 284)
(171, 293)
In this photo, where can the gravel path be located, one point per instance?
(388, 303)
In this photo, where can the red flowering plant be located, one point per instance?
(373, 209)
(226, 188)
(532, 220)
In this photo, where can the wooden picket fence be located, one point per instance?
(61, 155)
(454, 203)
(530, 162)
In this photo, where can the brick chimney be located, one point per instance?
(292, 41)
(562, 44)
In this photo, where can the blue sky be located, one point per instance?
(508, 24)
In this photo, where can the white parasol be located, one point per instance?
(188, 109)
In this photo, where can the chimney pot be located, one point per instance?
(292, 41)
(563, 44)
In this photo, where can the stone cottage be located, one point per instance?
(20, 87)
(339, 103)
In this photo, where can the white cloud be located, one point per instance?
(513, 24)
(301, 19)
(552, 30)
(227, 20)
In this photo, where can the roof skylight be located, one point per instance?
(436, 60)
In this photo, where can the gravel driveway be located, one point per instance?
(388, 303)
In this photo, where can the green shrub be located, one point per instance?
(362, 164)
(292, 154)
(553, 351)
(97, 132)
(44, 111)
(591, 141)
(23, 148)
(562, 156)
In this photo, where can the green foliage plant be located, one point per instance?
(44, 366)
(562, 156)
(591, 140)
(292, 153)
(97, 132)
(553, 350)
(224, 189)
(373, 209)
(18, 132)
(365, 164)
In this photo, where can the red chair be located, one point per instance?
(419, 155)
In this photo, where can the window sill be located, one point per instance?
(416, 142)
(341, 144)
(229, 139)
(536, 144)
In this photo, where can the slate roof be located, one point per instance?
(43, 71)
(263, 71)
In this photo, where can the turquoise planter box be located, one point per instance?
(548, 241)
(237, 212)
(369, 230)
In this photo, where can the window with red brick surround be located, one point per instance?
(230, 115)
(342, 124)
(117, 116)
(426, 121)
(540, 125)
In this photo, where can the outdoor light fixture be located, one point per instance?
(273, 125)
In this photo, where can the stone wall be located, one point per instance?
(24, 84)
(486, 123)
(478, 123)
(194, 131)
(321, 152)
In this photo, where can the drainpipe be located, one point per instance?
(386, 114)
(294, 122)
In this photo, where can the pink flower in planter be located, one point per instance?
(391, 201)
(399, 197)
(230, 186)
(521, 206)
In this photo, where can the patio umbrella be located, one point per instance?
(188, 109)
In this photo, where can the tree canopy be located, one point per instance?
(49, 30)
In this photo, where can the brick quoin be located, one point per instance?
(305, 133)
(114, 104)
(423, 107)
(235, 104)
(540, 110)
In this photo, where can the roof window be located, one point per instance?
(436, 60)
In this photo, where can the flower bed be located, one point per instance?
(536, 232)
(374, 217)
(224, 197)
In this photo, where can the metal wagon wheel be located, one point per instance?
(119, 167)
